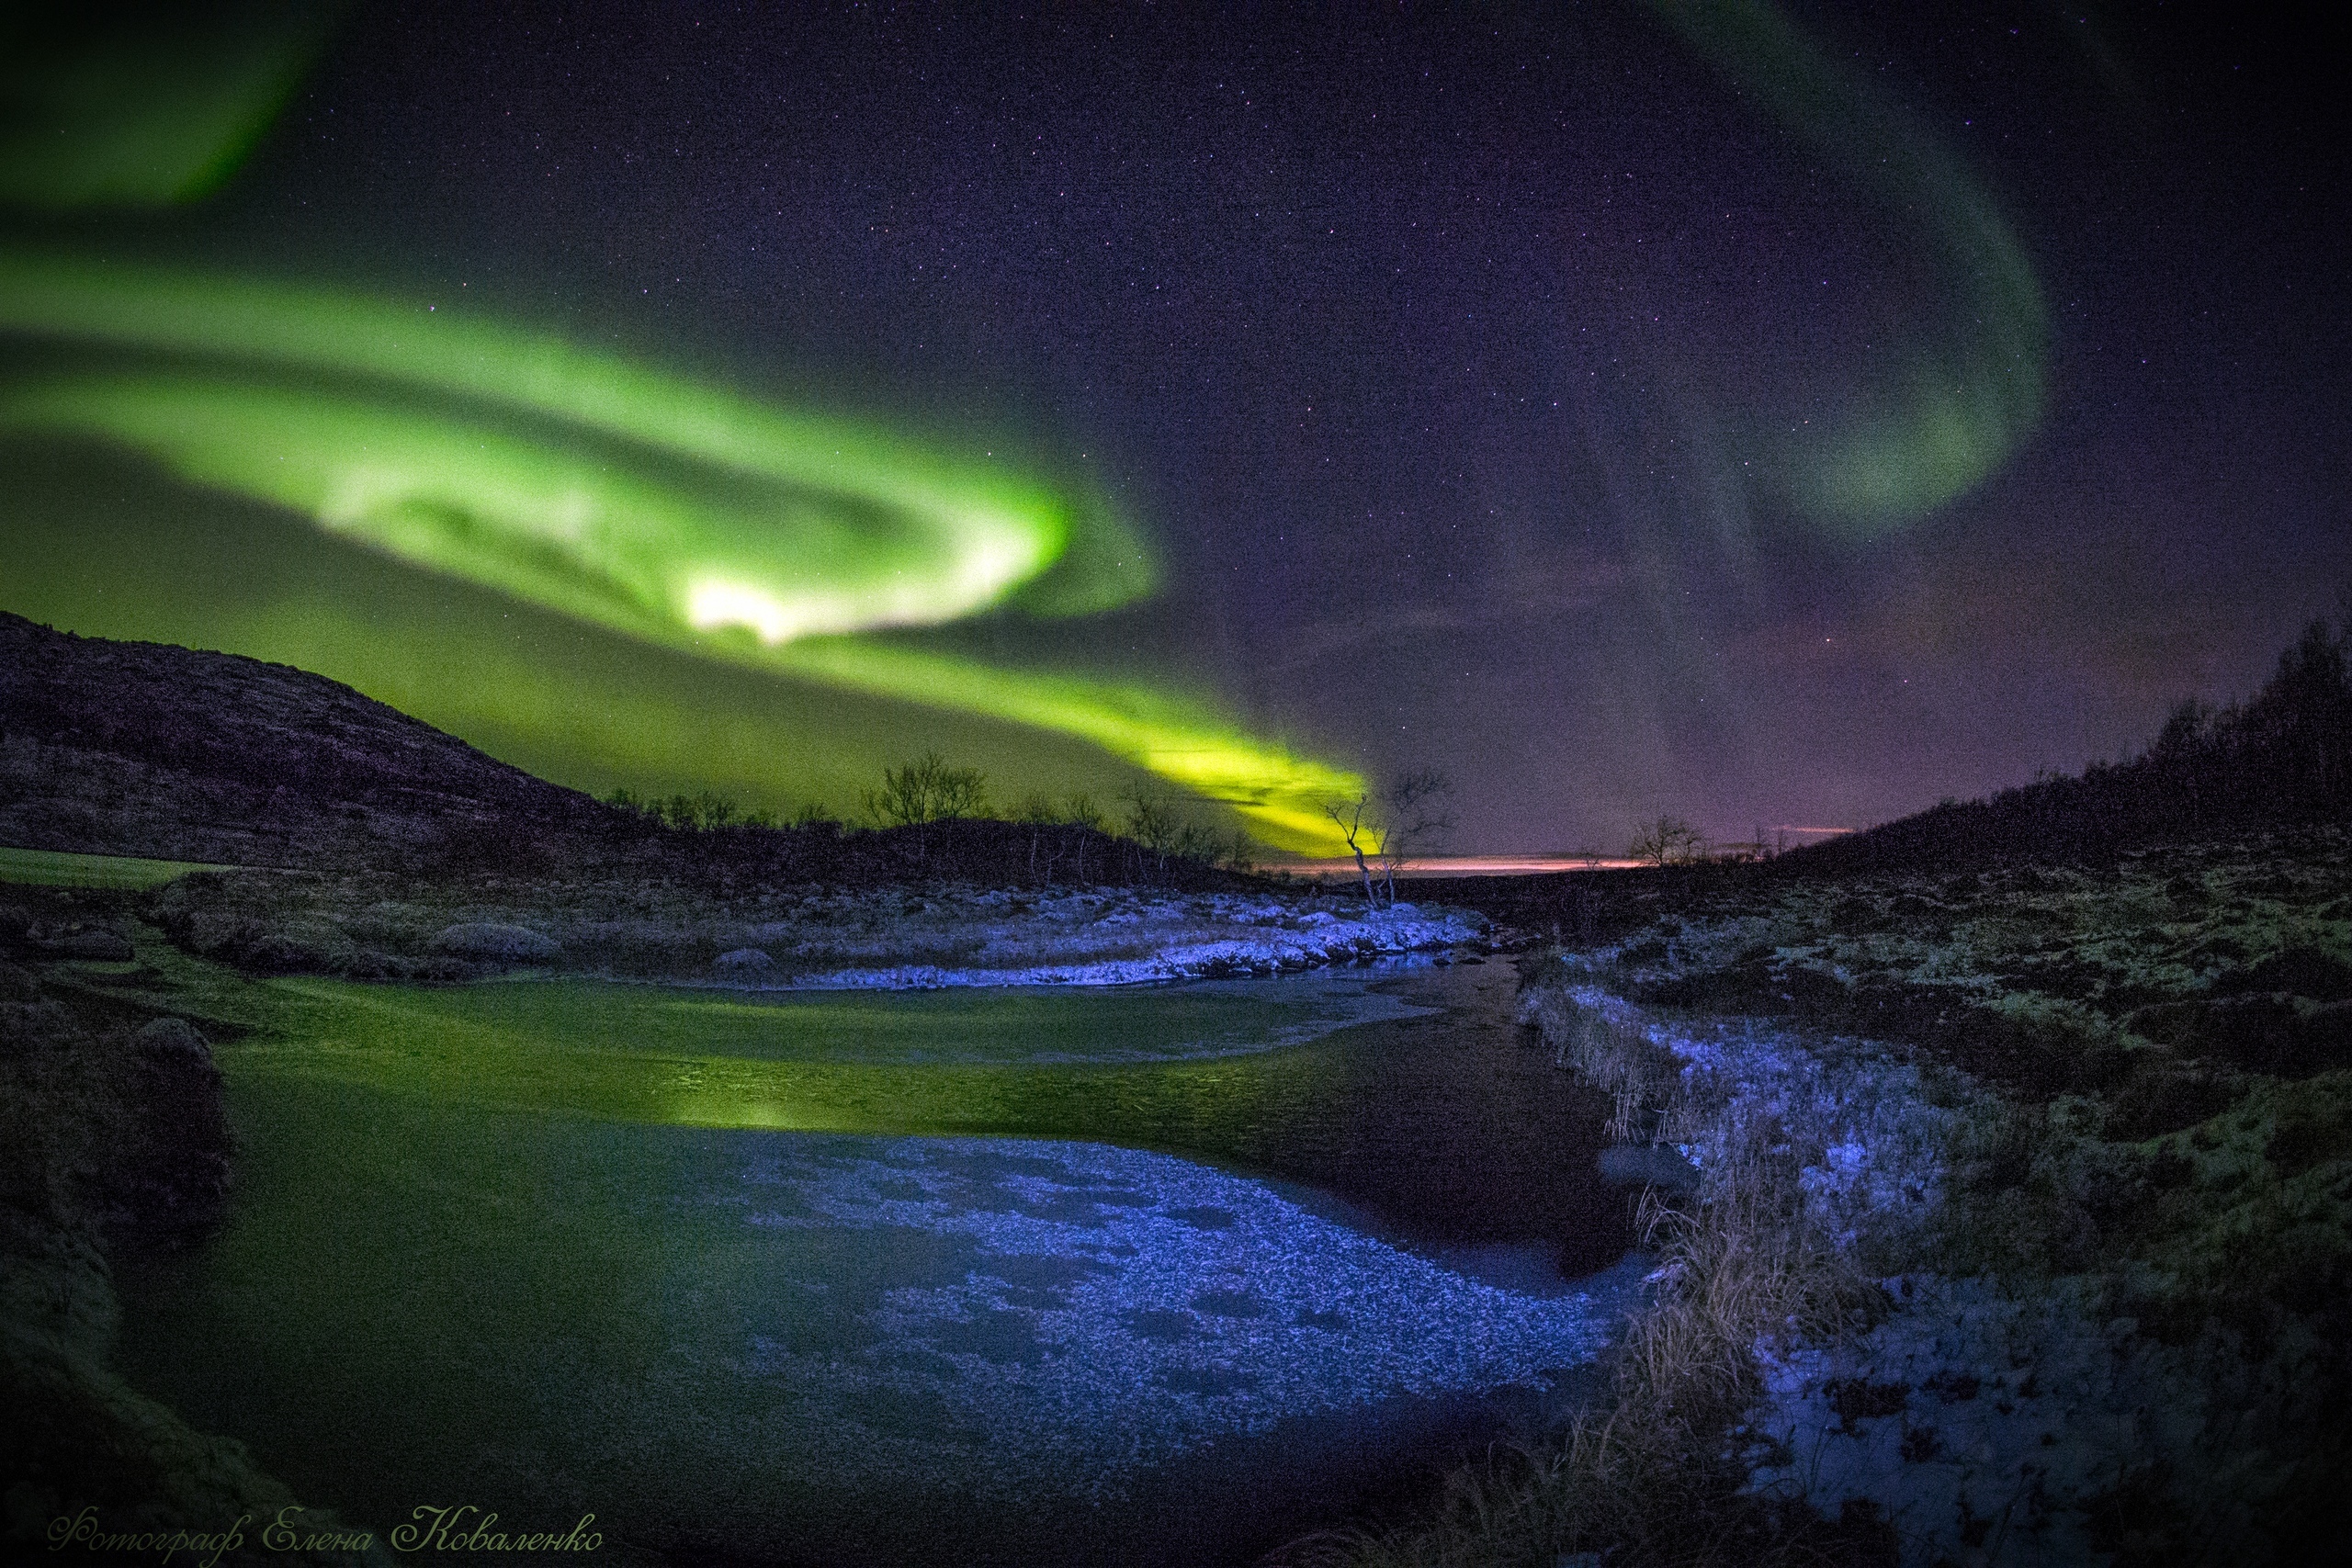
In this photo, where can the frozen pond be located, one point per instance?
(1159, 1275)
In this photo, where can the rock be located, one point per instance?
(743, 961)
(170, 1037)
(1651, 1164)
(172, 1176)
(491, 939)
(101, 946)
(297, 948)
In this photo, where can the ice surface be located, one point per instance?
(1059, 1315)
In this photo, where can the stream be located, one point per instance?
(1149, 1275)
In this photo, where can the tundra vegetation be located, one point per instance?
(2096, 1033)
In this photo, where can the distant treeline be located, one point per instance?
(2281, 758)
(173, 754)
(979, 850)
(932, 819)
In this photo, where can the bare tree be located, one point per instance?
(1360, 834)
(1386, 825)
(917, 794)
(1162, 829)
(1238, 852)
(1414, 808)
(927, 790)
(1079, 811)
(1153, 824)
(1666, 841)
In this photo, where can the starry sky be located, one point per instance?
(1771, 415)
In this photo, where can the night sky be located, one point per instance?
(1769, 416)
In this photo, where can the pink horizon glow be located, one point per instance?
(1465, 865)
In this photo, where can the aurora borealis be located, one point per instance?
(654, 507)
(1948, 414)
(852, 533)
(1766, 413)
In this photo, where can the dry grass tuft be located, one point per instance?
(1652, 1477)
(1645, 1082)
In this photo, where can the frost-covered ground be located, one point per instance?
(1986, 1424)
(1086, 939)
(1865, 1146)
(2228, 959)
(787, 937)
(2091, 1130)
(1086, 1312)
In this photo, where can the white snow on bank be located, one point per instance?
(1978, 1419)
(1034, 954)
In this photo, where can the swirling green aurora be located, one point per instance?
(672, 511)
(1953, 411)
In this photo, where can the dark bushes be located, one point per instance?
(2282, 757)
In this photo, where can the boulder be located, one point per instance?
(491, 939)
(170, 1038)
(743, 961)
(103, 946)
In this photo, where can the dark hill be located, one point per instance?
(146, 748)
(129, 747)
(2282, 759)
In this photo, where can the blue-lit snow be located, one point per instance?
(1055, 1317)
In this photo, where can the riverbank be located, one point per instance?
(113, 1142)
(101, 994)
(2021, 1231)
(784, 935)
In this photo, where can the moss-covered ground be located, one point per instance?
(2129, 1080)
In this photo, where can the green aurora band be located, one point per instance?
(109, 105)
(735, 533)
(1951, 416)
(669, 510)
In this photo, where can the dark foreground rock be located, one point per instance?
(112, 1136)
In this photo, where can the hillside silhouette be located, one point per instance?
(2279, 759)
(176, 754)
